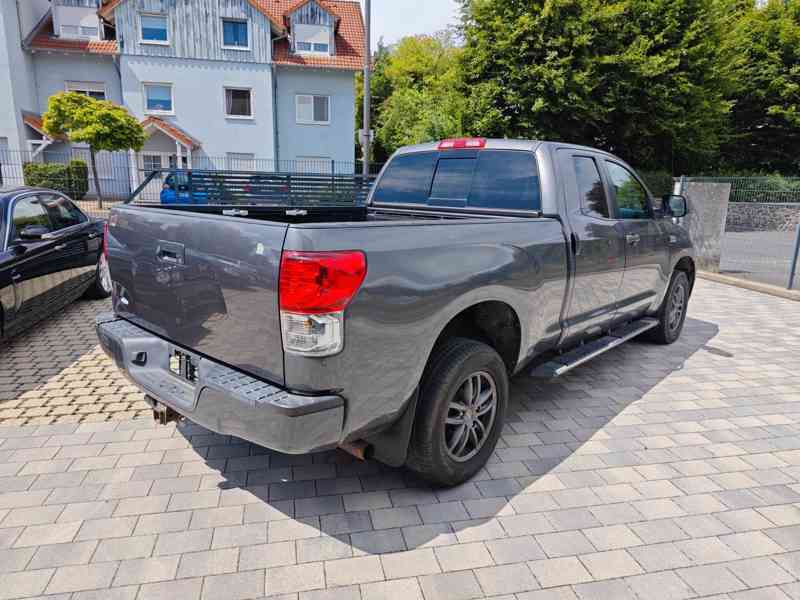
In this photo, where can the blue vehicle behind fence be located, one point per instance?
(177, 190)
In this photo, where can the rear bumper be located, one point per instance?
(222, 399)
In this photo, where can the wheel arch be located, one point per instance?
(687, 265)
(493, 322)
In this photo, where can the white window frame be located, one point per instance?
(81, 87)
(312, 121)
(252, 114)
(329, 52)
(168, 41)
(147, 111)
(222, 34)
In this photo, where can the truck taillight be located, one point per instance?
(105, 239)
(463, 144)
(314, 290)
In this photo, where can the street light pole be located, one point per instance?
(367, 138)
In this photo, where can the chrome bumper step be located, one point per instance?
(568, 361)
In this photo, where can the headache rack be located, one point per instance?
(237, 192)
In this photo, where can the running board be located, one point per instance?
(585, 352)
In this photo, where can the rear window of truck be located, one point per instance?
(493, 179)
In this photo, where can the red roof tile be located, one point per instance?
(349, 40)
(45, 40)
(173, 131)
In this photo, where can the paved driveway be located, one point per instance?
(651, 473)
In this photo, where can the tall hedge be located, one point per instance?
(71, 179)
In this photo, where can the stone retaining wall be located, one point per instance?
(762, 216)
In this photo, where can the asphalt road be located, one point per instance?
(763, 256)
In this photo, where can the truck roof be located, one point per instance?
(500, 144)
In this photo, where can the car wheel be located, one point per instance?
(462, 406)
(672, 314)
(101, 286)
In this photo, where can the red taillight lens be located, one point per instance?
(320, 282)
(462, 143)
(105, 239)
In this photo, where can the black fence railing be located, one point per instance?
(237, 188)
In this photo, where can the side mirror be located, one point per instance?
(676, 205)
(33, 232)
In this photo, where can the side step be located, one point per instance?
(566, 362)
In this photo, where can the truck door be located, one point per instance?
(646, 243)
(598, 251)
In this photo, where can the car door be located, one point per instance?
(33, 267)
(597, 243)
(646, 248)
(77, 247)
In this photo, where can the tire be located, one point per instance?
(101, 285)
(438, 451)
(672, 314)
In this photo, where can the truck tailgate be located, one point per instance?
(205, 282)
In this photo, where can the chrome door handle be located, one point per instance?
(633, 238)
(93, 235)
(15, 277)
(60, 247)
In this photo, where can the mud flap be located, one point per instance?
(391, 446)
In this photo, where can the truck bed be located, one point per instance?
(208, 281)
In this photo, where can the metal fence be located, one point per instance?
(773, 189)
(121, 173)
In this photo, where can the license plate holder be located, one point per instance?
(183, 366)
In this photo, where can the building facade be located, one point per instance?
(229, 84)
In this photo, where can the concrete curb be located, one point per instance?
(772, 290)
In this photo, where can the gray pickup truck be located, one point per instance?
(391, 329)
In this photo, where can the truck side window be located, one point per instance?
(407, 179)
(631, 197)
(590, 187)
(506, 180)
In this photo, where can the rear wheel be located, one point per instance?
(463, 399)
(672, 314)
(101, 286)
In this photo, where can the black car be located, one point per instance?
(51, 253)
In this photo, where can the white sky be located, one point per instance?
(394, 19)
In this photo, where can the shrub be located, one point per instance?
(71, 179)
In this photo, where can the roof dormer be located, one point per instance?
(76, 19)
(312, 28)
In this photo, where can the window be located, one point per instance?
(28, 211)
(89, 31)
(94, 90)
(630, 195)
(150, 163)
(62, 212)
(234, 34)
(70, 31)
(495, 179)
(452, 180)
(312, 38)
(154, 29)
(241, 161)
(407, 179)
(506, 180)
(158, 97)
(590, 187)
(313, 110)
(238, 103)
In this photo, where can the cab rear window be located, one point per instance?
(489, 179)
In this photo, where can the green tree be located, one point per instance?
(763, 50)
(100, 124)
(641, 78)
(427, 100)
(381, 88)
